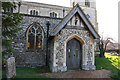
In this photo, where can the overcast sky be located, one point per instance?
(107, 12)
(107, 15)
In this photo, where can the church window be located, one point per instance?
(31, 41)
(35, 37)
(50, 14)
(19, 5)
(36, 12)
(9, 10)
(53, 14)
(31, 12)
(87, 3)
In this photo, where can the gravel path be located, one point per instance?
(79, 74)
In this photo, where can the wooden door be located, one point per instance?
(74, 54)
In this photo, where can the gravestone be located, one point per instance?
(10, 68)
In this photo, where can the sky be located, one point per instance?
(107, 15)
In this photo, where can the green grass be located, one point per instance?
(106, 63)
(110, 63)
(30, 73)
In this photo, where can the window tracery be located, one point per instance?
(35, 37)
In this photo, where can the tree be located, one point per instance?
(103, 44)
(10, 21)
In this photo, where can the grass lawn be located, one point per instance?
(109, 63)
(30, 73)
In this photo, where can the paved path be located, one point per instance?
(79, 74)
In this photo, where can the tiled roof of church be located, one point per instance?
(75, 9)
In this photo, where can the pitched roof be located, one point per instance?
(75, 10)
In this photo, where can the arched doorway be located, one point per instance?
(73, 54)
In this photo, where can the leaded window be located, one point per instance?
(35, 36)
(53, 14)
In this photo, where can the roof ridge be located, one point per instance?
(68, 16)
(63, 19)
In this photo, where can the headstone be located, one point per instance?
(10, 68)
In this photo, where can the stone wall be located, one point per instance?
(45, 9)
(82, 3)
(24, 56)
(59, 58)
(51, 52)
(34, 58)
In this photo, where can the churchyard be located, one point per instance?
(70, 37)
(110, 63)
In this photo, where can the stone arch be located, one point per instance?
(82, 43)
(27, 31)
(76, 37)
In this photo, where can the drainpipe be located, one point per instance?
(73, 4)
(47, 54)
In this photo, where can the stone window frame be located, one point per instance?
(9, 10)
(53, 14)
(87, 3)
(43, 36)
(33, 11)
